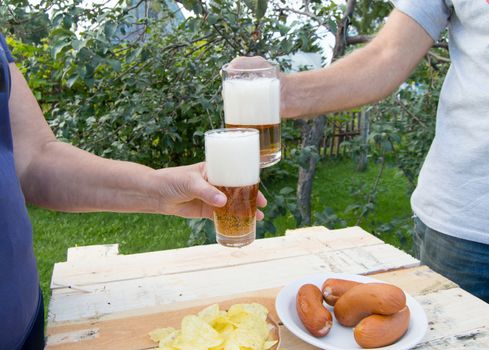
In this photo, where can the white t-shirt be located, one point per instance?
(452, 195)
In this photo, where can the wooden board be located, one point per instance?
(442, 300)
(98, 299)
(103, 300)
(131, 332)
(96, 264)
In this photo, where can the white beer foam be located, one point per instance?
(233, 158)
(251, 102)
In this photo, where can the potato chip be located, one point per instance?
(254, 308)
(210, 313)
(242, 327)
(243, 337)
(197, 335)
(254, 324)
(216, 318)
(269, 344)
(165, 336)
(160, 333)
(223, 325)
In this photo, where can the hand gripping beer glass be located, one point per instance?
(233, 165)
(252, 100)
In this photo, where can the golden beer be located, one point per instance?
(238, 216)
(252, 100)
(233, 166)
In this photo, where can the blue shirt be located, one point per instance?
(19, 284)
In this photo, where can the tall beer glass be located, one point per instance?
(252, 100)
(233, 166)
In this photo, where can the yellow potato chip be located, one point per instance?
(223, 325)
(269, 344)
(253, 324)
(220, 347)
(210, 313)
(159, 333)
(242, 327)
(248, 339)
(231, 343)
(254, 308)
(165, 336)
(197, 335)
(166, 343)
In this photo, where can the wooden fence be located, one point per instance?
(343, 127)
(338, 131)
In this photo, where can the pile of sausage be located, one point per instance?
(378, 311)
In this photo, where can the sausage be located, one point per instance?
(334, 288)
(313, 314)
(366, 299)
(379, 330)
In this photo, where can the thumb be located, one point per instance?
(208, 193)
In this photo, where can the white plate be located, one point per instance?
(339, 337)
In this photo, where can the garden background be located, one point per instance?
(139, 81)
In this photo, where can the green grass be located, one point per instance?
(55, 232)
(334, 184)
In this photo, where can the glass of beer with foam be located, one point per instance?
(252, 100)
(233, 166)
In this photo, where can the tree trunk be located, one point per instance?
(362, 162)
(312, 134)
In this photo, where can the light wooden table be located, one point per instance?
(103, 300)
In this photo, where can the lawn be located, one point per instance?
(334, 184)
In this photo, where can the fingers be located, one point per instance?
(261, 201)
(249, 63)
(259, 215)
(215, 198)
(208, 193)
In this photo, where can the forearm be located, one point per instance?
(351, 82)
(65, 178)
(59, 176)
(365, 76)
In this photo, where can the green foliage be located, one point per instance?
(143, 89)
(202, 232)
(402, 128)
(329, 219)
(283, 203)
(369, 15)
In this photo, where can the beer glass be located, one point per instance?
(233, 165)
(252, 100)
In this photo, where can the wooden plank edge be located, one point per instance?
(477, 338)
(307, 230)
(58, 282)
(99, 251)
(156, 309)
(72, 337)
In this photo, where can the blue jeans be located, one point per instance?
(464, 262)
